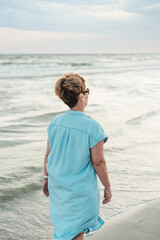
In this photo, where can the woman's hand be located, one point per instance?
(107, 195)
(45, 187)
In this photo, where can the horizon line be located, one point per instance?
(76, 53)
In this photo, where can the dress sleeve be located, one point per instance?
(97, 135)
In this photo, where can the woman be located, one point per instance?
(73, 157)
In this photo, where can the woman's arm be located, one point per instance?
(46, 157)
(45, 180)
(100, 167)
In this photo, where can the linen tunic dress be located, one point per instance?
(72, 180)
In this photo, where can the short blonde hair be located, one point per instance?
(68, 87)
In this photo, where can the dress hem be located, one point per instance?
(90, 228)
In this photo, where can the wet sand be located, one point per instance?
(140, 222)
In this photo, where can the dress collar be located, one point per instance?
(75, 113)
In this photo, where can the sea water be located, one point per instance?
(124, 98)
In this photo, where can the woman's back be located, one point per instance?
(72, 182)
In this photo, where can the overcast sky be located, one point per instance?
(90, 26)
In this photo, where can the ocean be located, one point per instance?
(124, 97)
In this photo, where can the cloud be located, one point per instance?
(27, 35)
(79, 26)
(102, 12)
(27, 41)
(151, 7)
(107, 12)
(79, 16)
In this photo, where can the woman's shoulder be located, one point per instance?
(91, 120)
(92, 123)
(55, 119)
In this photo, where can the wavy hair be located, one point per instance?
(68, 87)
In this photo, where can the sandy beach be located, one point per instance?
(140, 222)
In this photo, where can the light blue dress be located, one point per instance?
(72, 182)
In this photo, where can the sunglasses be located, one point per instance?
(87, 91)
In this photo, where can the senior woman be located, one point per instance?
(74, 157)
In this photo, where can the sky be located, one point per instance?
(90, 26)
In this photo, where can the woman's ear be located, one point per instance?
(81, 96)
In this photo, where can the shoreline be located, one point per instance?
(139, 222)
